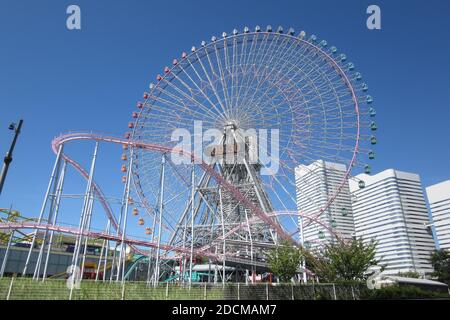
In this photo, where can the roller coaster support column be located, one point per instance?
(107, 248)
(113, 262)
(126, 201)
(83, 220)
(302, 243)
(104, 249)
(85, 208)
(223, 236)
(55, 216)
(89, 220)
(251, 243)
(211, 240)
(161, 208)
(184, 262)
(215, 268)
(8, 247)
(55, 173)
(192, 222)
(151, 252)
(8, 158)
(51, 214)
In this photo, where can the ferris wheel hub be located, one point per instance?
(230, 125)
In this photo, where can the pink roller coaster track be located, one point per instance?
(60, 140)
(153, 147)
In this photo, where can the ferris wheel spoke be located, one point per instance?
(233, 73)
(277, 83)
(200, 90)
(191, 98)
(221, 76)
(191, 90)
(255, 62)
(245, 58)
(213, 87)
(180, 107)
(224, 73)
(293, 66)
(276, 58)
(262, 63)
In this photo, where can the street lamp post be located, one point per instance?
(8, 158)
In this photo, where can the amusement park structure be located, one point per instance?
(224, 204)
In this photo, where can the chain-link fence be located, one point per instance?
(51, 289)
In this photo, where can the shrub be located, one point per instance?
(402, 292)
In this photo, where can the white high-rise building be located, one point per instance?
(391, 209)
(439, 199)
(316, 184)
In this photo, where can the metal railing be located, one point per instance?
(54, 289)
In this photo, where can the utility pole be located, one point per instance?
(8, 158)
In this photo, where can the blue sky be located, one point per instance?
(60, 80)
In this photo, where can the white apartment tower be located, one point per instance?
(439, 199)
(316, 184)
(391, 209)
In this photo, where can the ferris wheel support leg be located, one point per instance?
(161, 208)
(186, 210)
(256, 185)
(55, 216)
(259, 196)
(44, 205)
(83, 219)
(122, 255)
(201, 183)
(250, 173)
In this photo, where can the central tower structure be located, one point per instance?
(218, 222)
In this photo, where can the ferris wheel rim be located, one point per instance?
(330, 60)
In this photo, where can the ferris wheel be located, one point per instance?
(305, 101)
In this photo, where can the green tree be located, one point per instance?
(440, 260)
(342, 260)
(284, 260)
(11, 216)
